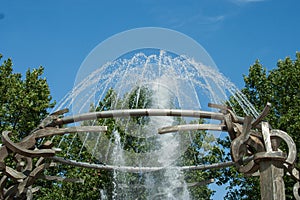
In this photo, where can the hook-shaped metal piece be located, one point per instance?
(290, 143)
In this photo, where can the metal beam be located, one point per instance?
(138, 113)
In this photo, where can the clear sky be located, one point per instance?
(58, 34)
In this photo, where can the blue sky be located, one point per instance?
(59, 34)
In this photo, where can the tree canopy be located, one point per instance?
(281, 87)
(24, 101)
(112, 184)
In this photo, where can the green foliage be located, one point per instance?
(24, 102)
(280, 87)
(201, 151)
(92, 180)
(130, 131)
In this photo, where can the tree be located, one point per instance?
(91, 181)
(24, 102)
(141, 97)
(279, 86)
(114, 184)
(203, 150)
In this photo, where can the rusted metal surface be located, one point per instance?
(254, 149)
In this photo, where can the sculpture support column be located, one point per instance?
(271, 180)
(271, 168)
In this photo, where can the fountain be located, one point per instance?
(148, 79)
(118, 110)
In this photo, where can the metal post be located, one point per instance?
(271, 181)
(271, 169)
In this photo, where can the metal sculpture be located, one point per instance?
(254, 149)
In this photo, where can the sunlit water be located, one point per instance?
(167, 81)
